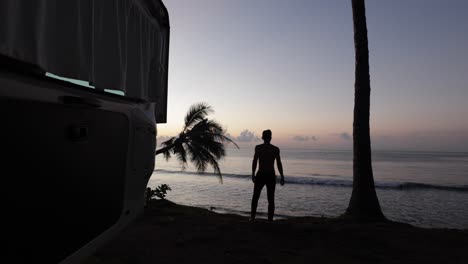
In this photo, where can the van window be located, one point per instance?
(82, 83)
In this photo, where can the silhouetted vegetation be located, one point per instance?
(159, 192)
(201, 141)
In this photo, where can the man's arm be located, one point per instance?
(254, 164)
(280, 167)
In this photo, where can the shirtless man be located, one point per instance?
(266, 154)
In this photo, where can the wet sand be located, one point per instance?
(171, 233)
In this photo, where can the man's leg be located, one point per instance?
(258, 186)
(271, 185)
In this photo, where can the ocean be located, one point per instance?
(425, 189)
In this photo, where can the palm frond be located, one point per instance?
(215, 148)
(202, 156)
(202, 141)
(212, 129)
(179, 151)
(166, 148)
(221, 137)
(196, 113)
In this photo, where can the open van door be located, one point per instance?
(82, 85)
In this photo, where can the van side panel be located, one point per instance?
(74, 166)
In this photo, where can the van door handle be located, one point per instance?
(78, 133)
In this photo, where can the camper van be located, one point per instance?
(82, 85)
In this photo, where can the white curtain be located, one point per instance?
(118, 44)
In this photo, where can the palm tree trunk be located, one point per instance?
(364, 202)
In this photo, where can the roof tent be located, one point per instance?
(120, 45)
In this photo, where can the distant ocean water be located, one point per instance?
(427, 189)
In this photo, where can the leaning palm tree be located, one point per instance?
(364, 202)
(201, 141)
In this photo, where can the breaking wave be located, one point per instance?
(321, 179)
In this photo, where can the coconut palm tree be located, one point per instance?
(364, 202)
(201, 140)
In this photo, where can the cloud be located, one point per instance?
(304, 138)
(247, 136)
(345, 136)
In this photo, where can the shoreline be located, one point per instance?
(263, 216)
(172, 233)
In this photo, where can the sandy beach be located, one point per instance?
(171, 233)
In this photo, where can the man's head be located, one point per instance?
(266, 136)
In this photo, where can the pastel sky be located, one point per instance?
(289, 66)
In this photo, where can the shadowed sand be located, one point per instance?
(171, 233)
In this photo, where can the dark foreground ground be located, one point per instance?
(171, 233)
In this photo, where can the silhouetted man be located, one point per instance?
(266, 154)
